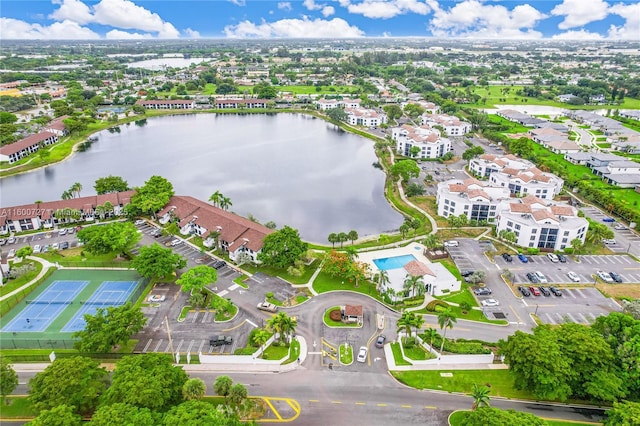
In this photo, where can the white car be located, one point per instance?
(553, 257)
(490, 302)
(573, 276)
(619, 227)
(140, 222)
(604, 276)
(55, 246)
(609, 242)
(157, 298)
(175, 242)
(37, 248)
(362, 354)
(12, 253)
(63, 231)
(452, 243)
(541, 278)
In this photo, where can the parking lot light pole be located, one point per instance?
(536, 312)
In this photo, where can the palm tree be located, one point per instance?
(480, 395)
(194, 389)
(404, 228)
(215, 198)
(415, 284)
(351, 253)
(222, 386)
(383, 279)
(260, 337)
(406, 322)
(446, 319)
(283, 325)
(353, 236)
(342, 237)
(431, 241)
(66, 195)
(431, 334)
(225, 203)
(76, 188)
(333, 239)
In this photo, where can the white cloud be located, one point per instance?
(294, 28)
(126, 14)
(577, 35)
(285, 5)
(328, 11)
(238, 2)
(73, 10)
(311, 5)
(580, 12)
(65, 30)
(191, 33)
(386, 8)
(631, 28)
(123, 35)
(471, 18)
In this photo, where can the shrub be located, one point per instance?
(434, 304)
(269, 295)
(335, 315)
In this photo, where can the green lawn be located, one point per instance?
(331, 323)
(19, 407)
(417, 353)
(397, 355)
(346, 355)
(499, 381)
(11, 285)
(308, 90)
(456, 418)
(464, 295)
(275, 352)
(325, 282)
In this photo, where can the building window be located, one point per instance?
(548, 238)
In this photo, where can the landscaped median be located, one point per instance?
(506, 417)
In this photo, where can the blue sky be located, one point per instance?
(475, 19)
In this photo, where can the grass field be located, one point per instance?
(456, 419)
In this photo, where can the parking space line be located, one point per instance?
(584, 320)
(147, 345)
(580, 292)
(223, 293)
(179, 345)
(158, 346)
(570, 293)
(571, 317)
(201, 345)
(550, 319)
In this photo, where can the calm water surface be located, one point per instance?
(288, 168)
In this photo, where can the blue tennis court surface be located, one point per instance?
(110, 293)
(41, 311)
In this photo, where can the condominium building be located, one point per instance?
(475, 199)
(452, 126)
(429, 141)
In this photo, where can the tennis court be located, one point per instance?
(41, 311)
(110, 293)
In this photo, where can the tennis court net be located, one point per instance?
(51, 302)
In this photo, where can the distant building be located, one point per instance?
(429, 141)
(167, 104)
(23, 148)
(365, 117)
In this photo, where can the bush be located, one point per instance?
(568, 250)
(335, 315)
(460, 346)
(269, 295)
(434, 304)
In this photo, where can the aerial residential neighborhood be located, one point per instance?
(310, 221)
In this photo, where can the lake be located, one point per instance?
(292, 169)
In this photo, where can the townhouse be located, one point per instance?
(612, 168)
(452, 126)
(541, 224)
(521, 176)
(429, 141)
(240, 103)
(50, 214)
(216, 227)
(27, 146)
(519, 117)
(167, 104)
(326, 104)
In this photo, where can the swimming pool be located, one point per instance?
(394, 262)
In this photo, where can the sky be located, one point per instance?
(263, 19)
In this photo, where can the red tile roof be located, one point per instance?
(26, 143)
(418, 269)
(353, 310)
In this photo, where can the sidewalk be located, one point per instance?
(45, 268)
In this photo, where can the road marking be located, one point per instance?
(233, 287)
(361, 403)
(239, 325)
(381, 405)
(314, 353)
(252, 323)
(405, 406)
(516, 314)
(223, 293)
(431, 407)
(314, 400)
(336, 402)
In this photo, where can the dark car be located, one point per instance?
(220, 340)
(380, 341)
(466, 273)
(523, 258)
(562, 258)
(608, 219)
(507, 257)
(544, 290)
(219, 264)
(555, 291)
(533, 278)
(524, 291)
(64, 245)
(616, 277)
(482, 291)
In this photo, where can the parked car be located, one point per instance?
(553, 257)
(523, 258)
(544, 290)
(175, 242)
(11, 240)
(55, 246)
(532, 277)
(37, 248)
(362, 354)
(3, 241)
(156, 233)
(12, 253)
(482, 291)
(615, 276)
(63, 231)
(139, 222)
(507, 257)
(490, 302)
(64, 245)
(608, 219)
(155, 298)
(266, 306)
(562, 258)
(524, 291)
(604, 276)
(609, 242)
(380, 341)
(619, 227)
(220, 340)
(555, 291)
(573, 276)
(451, 243)
(534, 291)
(540, 276)
(70, 230)
(466, 273)
(219, 264)
(45, 248)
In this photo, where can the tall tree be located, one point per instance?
(8, 378)
(480, 395)
(624, 413)
(333, 239)
(146, 381)
(353, 236)
(406, 322)
(414, 284)
(283, 325)
(383, 278)
(405, 169)
(215, 198)
(75, 381)
(194, 388)
(61, 415)
(282, 248)
(446, 319)
(157, 262)
(431, 241)
(152, 196)
(200, 413)
(430, 333)
(222, 386)
(337, 114)
(117, 237)
(237, 394)
(342, 238)
(225, 203)
(197, 278)
(76, 188)
(109, 184)
(124, 414)
(109, 327)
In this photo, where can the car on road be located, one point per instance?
(452, 243)
(362, 354)
(609, 242)
(482, 291)
(524, 291)
(555, 291)
(380, 341)
(266, 306)
(175, 242)
(11, 240)
(562, 258)
(507, 257)
(553, 257)
(544, 290)
(139, 222)
(62, 232)
(540, 276)
(608, 219)
(573, 276)
(219, 264)
(490, 302)
(604, 276)
(523, 258)
(37, 248)
(533, 278)
(615, 276)
(221, 340)
(64, 245)
(534, 291)
(619, 227)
